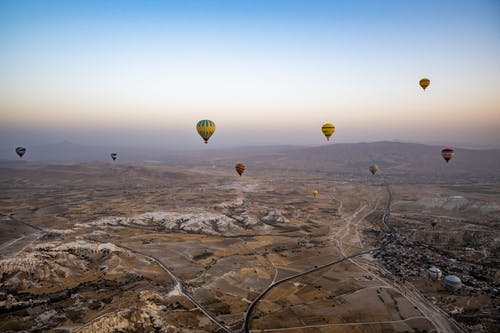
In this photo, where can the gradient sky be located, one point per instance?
(134, 73)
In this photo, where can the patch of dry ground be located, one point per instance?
(66, 264)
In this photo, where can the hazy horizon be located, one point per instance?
(10, 144)
(141, 74)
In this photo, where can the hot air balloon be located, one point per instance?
(328, 129)
(315, 193)
(20, 151)
(240, 168)
(424, 83)
(205, 129)
(452, 282)
(447, 154)
(373, 169)
(114, 156)
(434, 273)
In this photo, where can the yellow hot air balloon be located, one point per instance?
(373, 169)
(315, 193)
(328, 129)
(205, 129)
(424, 83)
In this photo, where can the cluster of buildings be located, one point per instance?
(407, 259)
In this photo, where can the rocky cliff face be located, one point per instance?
(146, 318)
(48, 264)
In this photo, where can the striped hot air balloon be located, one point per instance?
(447, 154)
(240, 168)
(205, 129)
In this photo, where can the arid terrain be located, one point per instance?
(101, 247)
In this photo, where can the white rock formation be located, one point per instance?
(198, 222)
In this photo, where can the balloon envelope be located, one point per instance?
(114, 156)
(205, 129)
(240, 168)
(447, 154)
(315, 192)
(20, 151)
(424, 83)
(328, 129)
(373, 169)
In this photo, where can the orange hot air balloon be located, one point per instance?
(447, 154)
(240, 168)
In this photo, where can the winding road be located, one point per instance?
(180, 288)
(436, 316)
(251, 308)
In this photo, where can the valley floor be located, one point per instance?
(90, 248)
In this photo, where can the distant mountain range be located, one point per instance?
(396, 157)
(68, 152)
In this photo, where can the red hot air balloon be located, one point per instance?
(240, 168)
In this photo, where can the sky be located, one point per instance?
(271, 72)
